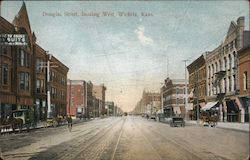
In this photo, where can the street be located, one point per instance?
(127, 137)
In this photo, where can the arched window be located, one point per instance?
(216, 67)
(229, 61)
(212, 71)
(220, 66)
(209, 72)
(234, 59)
(225, 63)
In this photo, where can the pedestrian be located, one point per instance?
(69, 120)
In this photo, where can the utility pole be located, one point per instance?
(86, 99)
(48, 65)
(162, 99)
(48, 87)
(197, 95)
(186, 97)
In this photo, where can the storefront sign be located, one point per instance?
(13, 39)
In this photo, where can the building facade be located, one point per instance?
(222, 72)
(244, 81)
(23, 82)
(173, 94)
(99, 92)
(197, 85)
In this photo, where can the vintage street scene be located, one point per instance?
(124, 80)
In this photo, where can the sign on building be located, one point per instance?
(13, 39)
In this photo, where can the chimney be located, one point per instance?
(240, 24)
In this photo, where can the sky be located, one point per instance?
(130, 53)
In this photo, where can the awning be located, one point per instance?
(209, 105)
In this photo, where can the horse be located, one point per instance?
(213, 120)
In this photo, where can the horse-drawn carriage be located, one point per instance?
(209, 120)
(18, 120)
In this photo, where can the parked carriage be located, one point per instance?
(209, 120)
(18, 120)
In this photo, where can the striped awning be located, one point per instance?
(209, 105)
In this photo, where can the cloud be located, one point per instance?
(144, 40)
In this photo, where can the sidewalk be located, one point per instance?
(44, 125)
(226, 125)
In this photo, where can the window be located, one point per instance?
(234, 82)
(5, 74)
(24, 81)
(38, 86)
(24, 58)
(209, 72)
(225, 85)
(4, 50)
(245, 81)
(229, 82)
(220, 66)
(27, 81)
(42, 86)
(225, 63)
(230, 61)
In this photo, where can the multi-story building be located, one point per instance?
(17, 67)
(197, 85)
(40, 95)
(109, 106)
(23, 82)
(151, 102)
(58, 86)
(244, 82)
(99, 93)
(76, 98)
(173, 94)
(222, 72)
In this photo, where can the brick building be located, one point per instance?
(197, 84)
(173, 93)
(23, 82)
(99, 93)
(149, 103)
(222, 72)
(80, 99)
(244, 82)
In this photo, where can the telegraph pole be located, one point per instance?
(48, 87)
(48, 65)
(197, 95)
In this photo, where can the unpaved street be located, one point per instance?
(127, 137)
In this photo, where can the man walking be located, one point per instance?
(69, 120)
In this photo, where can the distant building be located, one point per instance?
(174, 96)
(99, 93)
(79, 98)
(110, 107)
(149, 103)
